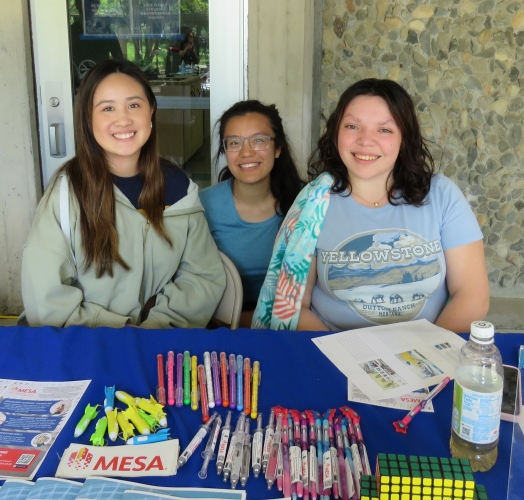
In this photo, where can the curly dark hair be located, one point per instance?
(414, 166)
(285, 181)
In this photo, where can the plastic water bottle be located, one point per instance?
(477, 399)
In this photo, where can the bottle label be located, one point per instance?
(476, 415)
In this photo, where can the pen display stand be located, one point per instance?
(516, 464)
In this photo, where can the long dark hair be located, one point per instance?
(414, 166)
(91, 181)
(285, 182)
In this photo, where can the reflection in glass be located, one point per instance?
(169, 41)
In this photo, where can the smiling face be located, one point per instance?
(121, 121)
(247, 165)
(368, 139)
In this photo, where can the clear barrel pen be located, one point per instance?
(361, 446)
(335, 487)
(345, 488)
(195, 442)
(209, 380)
(224, 439)
(209, 451)
(216, 378)
(349, 458)
(194, 383)
(246, 455)
(313, 463)
(289, 451)
(320, 457)
(230, 453)
(232, 382)
(256, 447)
(238, 452)
(295, 452)
(170, 369)
(179, 392)
(223, 379)
(326, 459)
(247, 386)
(161, 389)
(203, 392)
(254, 389)
(304, 444)
(354, 450)
(240, 376)
(271, 469)
(268, 441)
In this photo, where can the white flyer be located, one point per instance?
(405, 402)
(32, 414)
(155, 459)
(389, 361)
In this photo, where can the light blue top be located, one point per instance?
(248, 244)
(384, 265)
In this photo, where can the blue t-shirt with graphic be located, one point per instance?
(248, 244)
(385, 265)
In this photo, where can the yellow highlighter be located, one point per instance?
(194, 383)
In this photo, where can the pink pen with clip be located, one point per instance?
(343, 479)
(313, 462)
(329, 415)
(355, 420)
(160, 390)
(295, 415)
(170, 368)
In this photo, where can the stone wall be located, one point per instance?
(463, 63)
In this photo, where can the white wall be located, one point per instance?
(19, 165)
(281, 56)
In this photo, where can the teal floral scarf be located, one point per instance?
(281, 295)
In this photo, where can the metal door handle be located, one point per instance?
(55, 142)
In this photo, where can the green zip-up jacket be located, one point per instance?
(188, 279)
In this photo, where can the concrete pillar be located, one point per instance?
(283, 50)
(20, 188)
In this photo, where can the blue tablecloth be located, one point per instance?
(295, 374)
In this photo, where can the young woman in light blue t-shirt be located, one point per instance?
(256, 189)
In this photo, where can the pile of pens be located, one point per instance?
(220, 381)
(307, 454)
(144, 416)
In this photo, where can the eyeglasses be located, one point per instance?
(257, 142)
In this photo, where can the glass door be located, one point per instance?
(169, 40)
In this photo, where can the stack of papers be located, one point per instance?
(393, 365)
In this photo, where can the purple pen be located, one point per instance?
(232, 382)
(179, 393)
(216, 378)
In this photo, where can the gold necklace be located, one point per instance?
(376, 204)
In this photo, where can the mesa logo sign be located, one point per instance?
(158, 459)
(83, 459)
(23, 390)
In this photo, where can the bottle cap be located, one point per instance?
(482, 331)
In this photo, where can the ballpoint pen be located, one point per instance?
(203, 393)
(333, 450)
(209, 380)
(326, 459)
(293, 459)
(271, 468)
(179, 392)
(254, 389)
(187, 378)
(304, 444)
(349, 457)
(345, 488)
(268, 441)
(239, 429)
(355, 420)
(295, 452)
(247, 386)
(223, 379)
(240, 375)
(216, 379)
(197, 439)
(256, 448)
(209, 451)
(232, 382)
(160, 389)
(320, 456)
(224, 439)
(313, 463)
(402, 425)
(280, 465)
(194, 383)
(357, 461)
(170, 368)
(246, 455)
